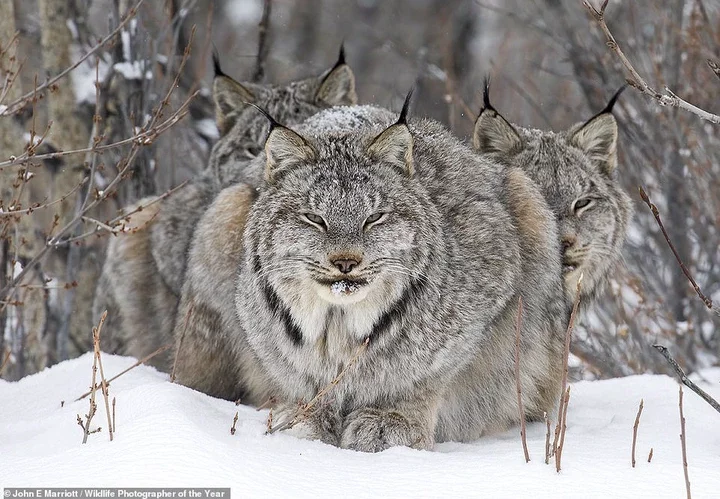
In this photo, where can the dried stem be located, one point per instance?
(547, 438)
(561, 445)
(635, 429)
(103, 383)
(566, 355)
(139, 362)
(93, 405)
(5, 361)
(707, 301)
(685, 380)
(650, 455)
(305, 409)
(235, 420)
(188, 314)
(682, 443)
(637, 81)
(113, 417)
(518, 327)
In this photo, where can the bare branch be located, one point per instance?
(707, 301)
(19, 103)
(685, 380)
(669, 98)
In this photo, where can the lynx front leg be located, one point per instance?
(373, 430)
(320, 423)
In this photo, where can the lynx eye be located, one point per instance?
(315, 220)
(581, 204)
(373, 219)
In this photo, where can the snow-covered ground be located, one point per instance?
(168, 435)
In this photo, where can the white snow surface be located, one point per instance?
(168, 435)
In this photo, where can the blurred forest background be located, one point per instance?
(151, 126)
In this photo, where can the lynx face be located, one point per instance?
(345, 214)
(243, 129)
(575, 170)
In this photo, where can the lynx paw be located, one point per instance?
(320, 424)
(374, 430)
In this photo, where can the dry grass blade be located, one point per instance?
(635, 429)
(518, 328)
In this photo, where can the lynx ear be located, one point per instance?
(337, 87)
(285, 149)
(493, 133)
(395, 144)
(229, 96)
(598, 137)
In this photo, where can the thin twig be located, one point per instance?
(93, 405)
(547, 438)
(518, 327)
(139, 362)
(685, 380)
(566, 356)
(113, 418)
(682, 443)
(650, 455)
(20, 102)
(235, 420)
(635, 429)
(5, 361)
(103, 384)
(188, 314)
(263, 46)
(656, 213)
(561, 445)
(636, 81)
(305, 409)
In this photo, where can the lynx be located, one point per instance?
(143, 273)
(367, 230)
(576, 172)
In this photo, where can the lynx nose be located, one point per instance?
(345, 265)
(567, 243)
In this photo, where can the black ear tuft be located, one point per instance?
(486, 94)
(216, 62)
(402, 120)
(611, 104)
(341, 57)
(273, 122)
